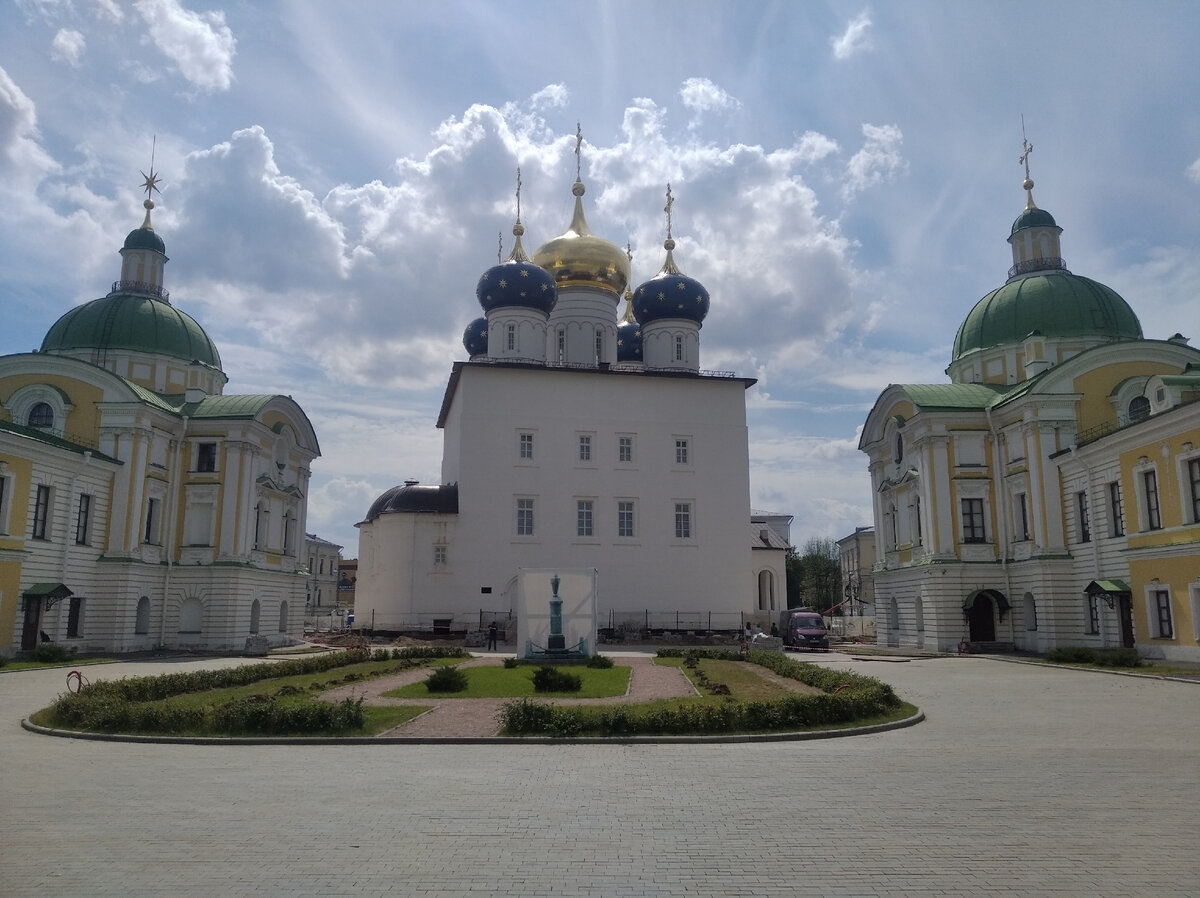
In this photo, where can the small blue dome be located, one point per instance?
(475, 337)
(517, 284)
(670, 296)
(629, 342)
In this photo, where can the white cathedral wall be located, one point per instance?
(650, 571)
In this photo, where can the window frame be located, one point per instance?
(1116, 508)
(683, 451)
(525, 520)
(626, 519)
(83, 520)
(1023, 517)
(973, 520)
(585, 441)
(525, 445)
(1164, 617)
(684, 520)
(441, 555)
(206, 457)
(1149, 478)
(625, 450)
(1093, 611)
(1191, 468)
(42, 507)
(1083, 524)
(585, 518)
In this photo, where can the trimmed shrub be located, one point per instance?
(51, 653)
(552, 679)
(600, 662)
(510, 663)
(446, 679)
(1082, 654)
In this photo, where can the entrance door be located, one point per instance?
(1125, 616)
(32, 624)
(981, 619)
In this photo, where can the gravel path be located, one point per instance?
(467, 717)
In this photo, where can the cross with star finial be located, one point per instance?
(628, 251)
(499, 246)
(150, 181)
(667, 209)
(518, 193)
(578, 144)
(1028, 147)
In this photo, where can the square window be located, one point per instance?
(524, 517)
(206, 457)
(584, 523)
(625, 519)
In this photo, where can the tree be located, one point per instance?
(814, 576)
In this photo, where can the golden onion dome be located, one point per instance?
(579, 258)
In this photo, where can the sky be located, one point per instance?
(335, 178)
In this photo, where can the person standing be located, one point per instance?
(492, 632)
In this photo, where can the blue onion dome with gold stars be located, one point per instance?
(578, 258)
(629, 334)
(517, 282)
(475, 337)
(670, 294)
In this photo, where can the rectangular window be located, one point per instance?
(972, 520)
(683, 520)
(585, 447)
(1022, 517)
(1162, 608)
(1117, 508)
(74, 612)
(1093, 614)
(82, 520)
(206, 457)
(1153, 516)
(511, 337)
(41, 512)
(3, 505)
(526, 445)
(599, 346)
(439, 556)
(681, 452)
(584, 517)
(625, 519)
(1081, 508)
(679, 349)
(1193, 467)
(562, 346)
(625, 450)
(524, 517)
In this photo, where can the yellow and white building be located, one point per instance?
(1049, 495)
(140, 507)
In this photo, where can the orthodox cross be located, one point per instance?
(578, 144)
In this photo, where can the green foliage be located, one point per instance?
(1082, 654)
(600, 662)
(511, 663)
(263, 715)
(814, 575)
(554, 679)
(446, 679)
(3, 659)
(51, 653)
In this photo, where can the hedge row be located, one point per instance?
(857, 697)
(124, 705)
(1082, 654)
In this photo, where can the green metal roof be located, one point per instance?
(1058, 304)
(67, 443)
(132, 322)
(957, 397)
(145, 238)
(247, 407)
(1034, 218)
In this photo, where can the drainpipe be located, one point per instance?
(1001, 516)
(172, 500)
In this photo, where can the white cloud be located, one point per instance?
(109, 9)
(701, 95)
(200, 44)
(878, 162)
(1193, 171)
(856, 37)
(68, 46)
(21, 156)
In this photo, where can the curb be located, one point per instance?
(478, 740)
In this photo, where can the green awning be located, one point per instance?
(54, 591)
(997, 597)
(1110, 586)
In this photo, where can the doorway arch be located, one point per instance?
(980, 610)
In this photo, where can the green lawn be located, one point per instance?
(745, 681)
(517, 682)
(66, 665)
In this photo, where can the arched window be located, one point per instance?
(255, 613)
(141, 621)
(283, 617)
(41, 415)
(766, 591)
(1139, 408)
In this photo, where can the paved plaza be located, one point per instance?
(1022, 781)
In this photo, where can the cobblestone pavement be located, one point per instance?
(1023, 781)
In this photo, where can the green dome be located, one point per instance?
(134, 323)
(1058, 304)
(145, 238)
(1034, 218)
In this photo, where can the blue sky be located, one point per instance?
(335, 176)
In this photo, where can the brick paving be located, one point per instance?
(1023, 781)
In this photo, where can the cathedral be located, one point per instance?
(1049, 495)
(579, 438)
(141, 507)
